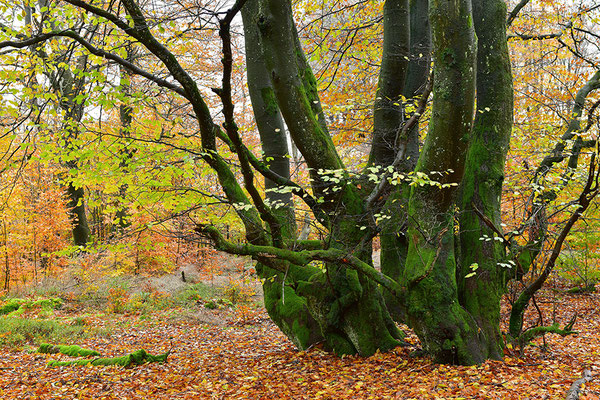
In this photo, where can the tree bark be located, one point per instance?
(481, 187)
(446, 329)
(340, 300)
(285, 307)
(387, 113)
(394, 243)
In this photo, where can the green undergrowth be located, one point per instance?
(580, 270)
(17, 306)
(33, 321)
(195, 293)
(118, 295)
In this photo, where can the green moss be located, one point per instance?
(339, 345)
(290, 312)
(268, 97)
(73, 351)
(11, 305)
(47, 304)
(310, 83)
(18, 306)
(449, 57)
(138, 357)
(301, 332)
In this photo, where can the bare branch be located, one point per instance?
(543, 36)
(515, 11)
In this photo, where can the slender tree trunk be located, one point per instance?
(394, 242)
(68, 87)
(77, 214)
(6, 258)
(126, 117)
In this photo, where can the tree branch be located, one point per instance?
(515, 11)
(543, 36)
(231, 127)
(400, 155)
(302, 257)
(589, 192)
(538, 331)
(97, 52)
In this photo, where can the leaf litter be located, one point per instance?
(246, 357)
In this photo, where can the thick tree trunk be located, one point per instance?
(348, 306)
(285, 307)
(481, 189)
(446, 329)
(349, 309)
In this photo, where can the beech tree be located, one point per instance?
(431, 205)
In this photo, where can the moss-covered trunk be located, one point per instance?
(348, 308)
(445, 328)
(482, 279)
(285, 307)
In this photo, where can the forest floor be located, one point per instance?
(237, 352)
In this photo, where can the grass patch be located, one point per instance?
(15, 331)
(195, 293)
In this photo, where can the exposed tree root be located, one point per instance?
(138, 357)
(73, 351)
